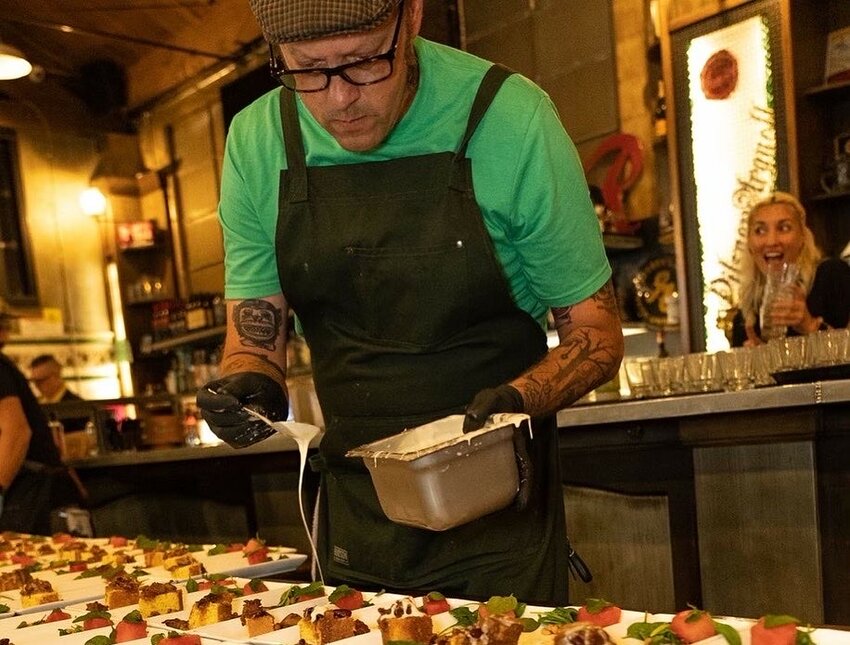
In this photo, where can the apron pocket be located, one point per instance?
(412, 284)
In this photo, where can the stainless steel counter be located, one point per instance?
(767, 398)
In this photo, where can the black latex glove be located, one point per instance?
(490, 401)
(221, 403)
(504, 399)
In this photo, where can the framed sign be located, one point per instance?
(732, 150)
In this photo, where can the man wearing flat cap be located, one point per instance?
(32, 477)
(421, 212)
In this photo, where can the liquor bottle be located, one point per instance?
(659, 112)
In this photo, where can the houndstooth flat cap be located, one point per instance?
(285, 21)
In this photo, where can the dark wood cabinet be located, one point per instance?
(822, 114)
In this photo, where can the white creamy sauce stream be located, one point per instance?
(303, 434)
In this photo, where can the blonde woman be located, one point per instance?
(777, 234)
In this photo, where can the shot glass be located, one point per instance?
(640, 376)
(763, 365)
(701, 373)
(737, 367)
(669, 372)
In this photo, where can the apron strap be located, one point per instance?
(296, 159)
(487, 90)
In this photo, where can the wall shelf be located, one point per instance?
(825, 197)
(192, 338)
(820, 91)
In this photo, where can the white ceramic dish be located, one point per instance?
(30, 637)
(235, 564)
(78, 595)
(234, 630)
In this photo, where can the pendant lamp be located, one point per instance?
(12, 63)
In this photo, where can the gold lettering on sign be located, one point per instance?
(760, 180)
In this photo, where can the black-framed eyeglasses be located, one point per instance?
(365, 71)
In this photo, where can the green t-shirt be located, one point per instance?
(528, 181)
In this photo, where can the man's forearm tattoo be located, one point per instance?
(584, 360)
(258, 323)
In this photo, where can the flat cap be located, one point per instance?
(286, 21)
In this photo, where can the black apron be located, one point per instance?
(408, 314)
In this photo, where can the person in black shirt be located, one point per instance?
(33, 479)
(46, 375)
(776, 234)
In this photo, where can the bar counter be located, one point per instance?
(784, 396)
(738, 502)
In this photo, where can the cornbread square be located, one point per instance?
(38, 592)
(256, 618)
(327, 624)
(159, 598)
(212, 608)
(121, 591)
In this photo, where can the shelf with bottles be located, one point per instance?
(200, 319)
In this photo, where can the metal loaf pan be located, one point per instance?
(435, 477)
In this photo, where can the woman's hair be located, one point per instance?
(753, 280)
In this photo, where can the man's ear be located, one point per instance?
(416, 9)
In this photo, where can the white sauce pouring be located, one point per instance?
(303, 434)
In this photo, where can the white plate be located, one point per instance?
(819, 636)
(239, 583)
(234, 630)
(40, 637)
(10, 622)
(739, 624)
(236, 564)
(46, 631)
(79, 595)
(369, 615)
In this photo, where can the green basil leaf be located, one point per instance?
(217, 549)
(777, 620)
(291, 595)
(501, 604)
(464, 616)
(694, 616)
(340, 592)
(134, 616)
(596, 605)
(559, 616)
(529, 624)
(804, 637)
(728, 632)
(99, 640)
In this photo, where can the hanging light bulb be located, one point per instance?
(12, 63)
(93, 202)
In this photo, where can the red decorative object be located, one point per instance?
(719, 76)
(623, 172)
